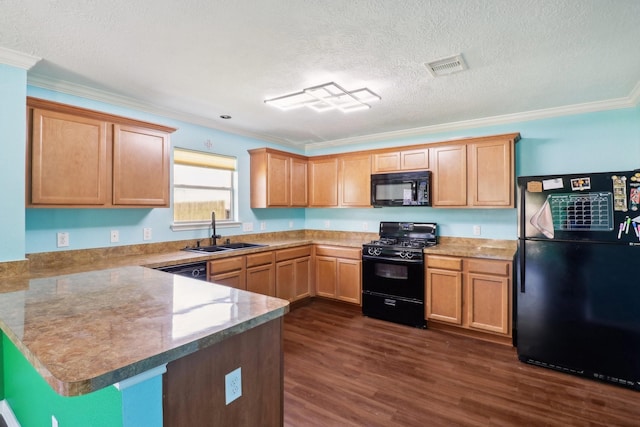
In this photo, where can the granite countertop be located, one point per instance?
(78, 316)
(86, 331)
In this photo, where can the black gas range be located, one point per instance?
(393, 272)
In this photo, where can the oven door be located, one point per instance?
(393, 277)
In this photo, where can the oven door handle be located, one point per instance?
(393, 260)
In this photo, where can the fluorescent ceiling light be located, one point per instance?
(325, 97)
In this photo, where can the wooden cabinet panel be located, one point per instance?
(299, 182)
(414, 159)
(449, 187)
(260, 258)
(488, 303)
(355, 180)
(68, 159)
(293, 273)
(444, 296)
(491, 174)
(262, 279)
(386, 162)
(349, 280)
(140, 166)
(323, 182)
(326, 276)
(234, 279)
(278, 188)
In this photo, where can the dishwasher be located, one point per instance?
(195, 270)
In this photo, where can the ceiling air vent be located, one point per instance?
(446, 66)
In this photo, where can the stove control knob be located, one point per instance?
(377, 251)
(406, 254)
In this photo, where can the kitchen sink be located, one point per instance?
(206, 249)
(240, 245)
(225, 247)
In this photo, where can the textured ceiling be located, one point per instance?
(203, 58)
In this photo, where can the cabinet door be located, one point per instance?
(302, 277)
(386, 162)
(488, 303)
(140, 166)
(323, 182)
(234, 279)
(444, 296)
(68, 159)
(285, 280)
(491, 172)
(349, 280)
(261, 279)
(278, 182)
(298, 185)
(355, 180)
(414, 159)
(326, 276)
(449, 175)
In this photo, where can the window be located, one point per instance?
(202, 183)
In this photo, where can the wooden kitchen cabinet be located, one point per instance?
(323, 181)
(477, 172)
(261, 273)
(338, 273)
(355, 180)
(278, 179)
(470, 293)
(293, 273)
(84, 158)
(228, 271)
(399, 161)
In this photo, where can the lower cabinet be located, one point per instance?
(470, 293)
(338, 273)
(261, 273)
(228, 271)
(293, 273)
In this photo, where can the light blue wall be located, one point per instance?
(608, 140)
(13, 83)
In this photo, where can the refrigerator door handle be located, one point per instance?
(521, 265)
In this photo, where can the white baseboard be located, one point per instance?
(8, 415)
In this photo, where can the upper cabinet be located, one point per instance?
(84, 158)
(278, 179)
(398, 161)
(466, 173)
(478, 173)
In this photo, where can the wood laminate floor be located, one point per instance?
(343, 369)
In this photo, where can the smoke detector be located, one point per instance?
(446, 66)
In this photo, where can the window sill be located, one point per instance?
(202, 225)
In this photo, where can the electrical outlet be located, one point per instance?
(233, 385)
(327, 224)
(263, 225)
(365, 226)
(476, 230)
(115, 236)
(63, 239)
(247, 226)
(290, 224)
(146, 233)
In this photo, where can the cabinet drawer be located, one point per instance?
(261, 258)
(445, 263)
(338, 252)
(299, 252)
(226, 264)
(500, 268)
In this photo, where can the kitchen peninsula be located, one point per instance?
(134, 346)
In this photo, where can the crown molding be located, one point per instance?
(17, 59)
(630, 101)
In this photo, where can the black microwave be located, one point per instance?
(401, 189)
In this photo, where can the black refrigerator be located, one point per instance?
(577, 281)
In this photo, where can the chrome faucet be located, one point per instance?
(214, 236)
